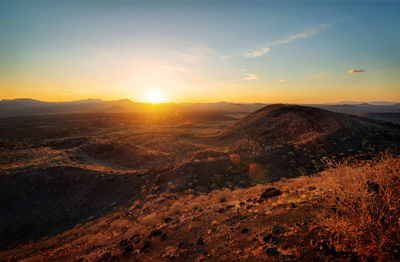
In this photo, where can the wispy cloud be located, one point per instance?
(355, 71)
(251, 77)
(263, 49)
(320, 76)
(282, 81)
(256, 53)
(195, 53)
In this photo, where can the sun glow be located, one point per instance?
(154, 96)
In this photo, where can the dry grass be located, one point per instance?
(364, 206)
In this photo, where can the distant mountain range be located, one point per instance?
(26, 106)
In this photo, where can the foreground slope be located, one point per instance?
(294, 220)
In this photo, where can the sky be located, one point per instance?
(201, 51)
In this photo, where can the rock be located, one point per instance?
(221, 210)
(184, 254)
(373, 187)
(105, 257)
(249, 207)
(164, 237)
(146, 246)
(155, 232)
(127, 250)
(270, 192)
(123, 243)
(183, 245)
(271, 251)
(200, 241)
(170, 252)
(268, 238)
(134, 237)
(277, 229)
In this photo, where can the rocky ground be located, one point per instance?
(190, 187)
(270, 222)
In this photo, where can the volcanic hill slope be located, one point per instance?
(277, 125)
(290, 140)
(286, 124)
(181, 186)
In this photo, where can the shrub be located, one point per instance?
(151, 219)
(364, 201)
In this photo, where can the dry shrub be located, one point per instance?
(176, 207)
(151, 219)
(365, 204)
(223, 195)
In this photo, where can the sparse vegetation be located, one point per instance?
(365, 206)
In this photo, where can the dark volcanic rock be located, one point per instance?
(277, 229)
(272, 251)
(155, 232)
(200, 241)
(123, 243)
(270, 192)
(127, 251)
(268, 238)
(167, 219)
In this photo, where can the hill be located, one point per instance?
(285, 124)
(289, 140)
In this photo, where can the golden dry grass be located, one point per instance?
(364, 206)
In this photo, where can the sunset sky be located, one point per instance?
(201, 51)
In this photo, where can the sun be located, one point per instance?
(154, 96)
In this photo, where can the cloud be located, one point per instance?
(320, 76)
(355, 71)
(305, 34)
(257, 53)
(251, 77)
(195, 53)
(282, 81)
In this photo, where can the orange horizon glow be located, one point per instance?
(187, 53)
(194, 101)
(151, 82)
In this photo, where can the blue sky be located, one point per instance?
(189, 51)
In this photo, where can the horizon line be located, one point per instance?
(217, 102)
